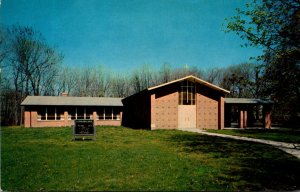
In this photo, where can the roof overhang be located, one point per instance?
(193, 79)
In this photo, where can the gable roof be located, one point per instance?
(193, 79)
(71, 101)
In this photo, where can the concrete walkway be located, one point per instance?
(291, 148)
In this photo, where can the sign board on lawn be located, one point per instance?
(84, 127)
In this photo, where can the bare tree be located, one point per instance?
(103, 82)
(142, 78)
(214, 75)
(91, 81)
(65, 81)
(165, 73)
(32, 64)
(121, 86)
(32, 58)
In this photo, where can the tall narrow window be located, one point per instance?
(50, 115)
(187, 93)
(116, 113)
(89, 112)
(108, 113)
(80, 113)
(60, 113)
(41, 113)
(72, 113)
(100, 113)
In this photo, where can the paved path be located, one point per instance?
(290, 148)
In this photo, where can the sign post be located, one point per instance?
(83, 128)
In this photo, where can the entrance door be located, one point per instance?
(186, 116)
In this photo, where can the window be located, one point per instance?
(72, 113)
(89, 112)
(60, 113)
(41, 113)
(116, 113)
(50, 113)
(108, 113)
(80, 112)
(187, 93)
(101, 113)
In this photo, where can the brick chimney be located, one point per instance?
(64, 94)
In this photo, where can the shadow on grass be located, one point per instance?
(246, 165)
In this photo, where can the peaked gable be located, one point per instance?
(193, 79)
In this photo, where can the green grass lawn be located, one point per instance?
(126, 159)
(283, 135)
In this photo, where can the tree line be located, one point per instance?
(30, 66)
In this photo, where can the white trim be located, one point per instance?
(187, 91)
(84, 112)
(55, 115)
(103, 113)
(75, 112)
(46, 114)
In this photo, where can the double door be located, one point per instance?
(186, 116)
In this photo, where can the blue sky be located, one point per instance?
(125, 34)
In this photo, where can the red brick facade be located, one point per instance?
(210, 109)
(165, 108)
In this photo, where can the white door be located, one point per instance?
(186, 116)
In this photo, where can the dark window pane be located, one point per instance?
(41, 112)
(108, 113)
(89, 112)
(100, 112)
(116, 113)
(50, 113)
(71, 113)
(60, 113)
(80, 112)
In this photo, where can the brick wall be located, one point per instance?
(27, 119)
(207, 108)
(108, 122)
(166, 107)
(221, 112)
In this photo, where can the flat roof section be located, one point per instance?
(72, 101)
(247, 101)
